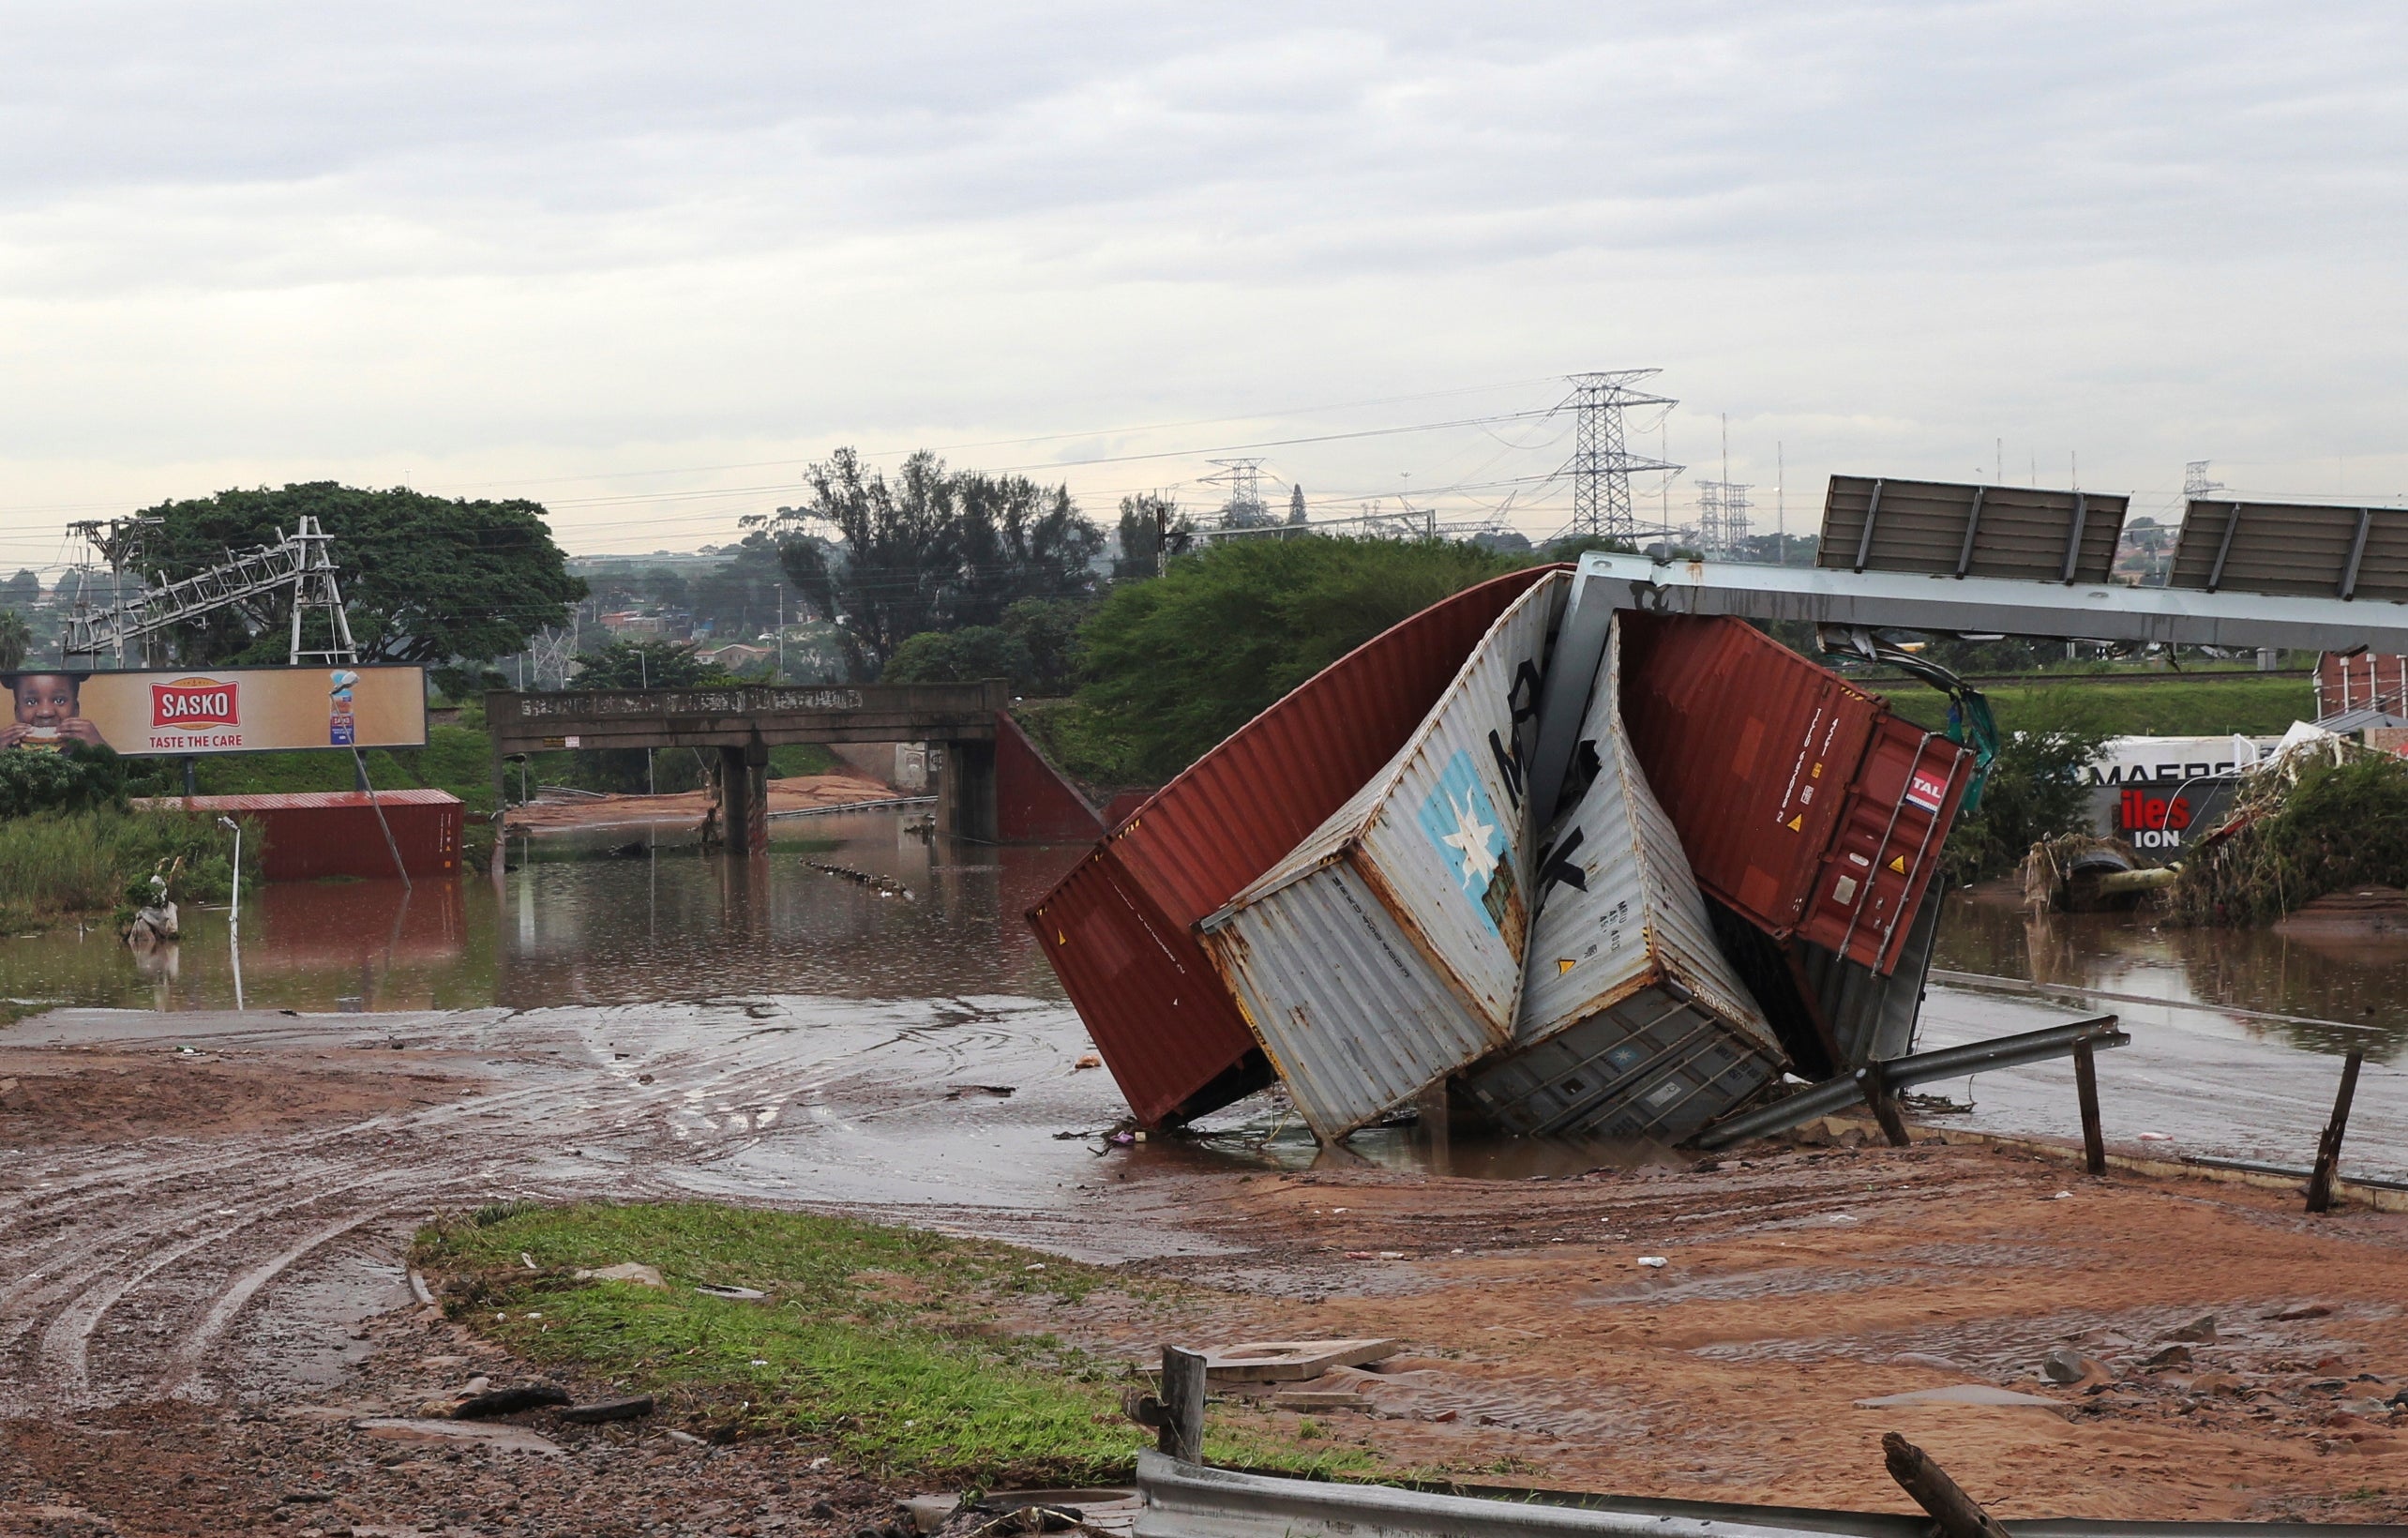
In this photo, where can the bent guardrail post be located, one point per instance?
(2329, 1147)
(1177, 1418)
(1886, 1078)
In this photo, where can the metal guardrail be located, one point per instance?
(1837, 1094)
(1188, 1500)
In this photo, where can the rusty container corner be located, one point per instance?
(1157, 1011)
(1805, 805)
(1632, 1024)
(1384, 953)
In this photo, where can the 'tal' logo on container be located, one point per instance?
(1927, 789)
(189, 704)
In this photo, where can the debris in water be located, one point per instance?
(885, 886)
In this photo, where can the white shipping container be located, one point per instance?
(1385, 952)
(1633, 1023)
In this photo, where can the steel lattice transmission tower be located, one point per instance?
(1244, 508)
(1601, 463)
(1722, 508)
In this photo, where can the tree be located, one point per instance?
(1049, 628)
(1152, 529)
(654, 664)
(1179, 663)
(16, 639)
(959, 657)
(739, 597)
(1296, 505)
(929, 551)
(425, 579)
(20, 591)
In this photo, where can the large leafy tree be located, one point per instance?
(16, 638)
(930, 550)
(651, 664)
(1179, 663)
(425, 579)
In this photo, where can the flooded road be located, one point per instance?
(613, 915)
(642, 925)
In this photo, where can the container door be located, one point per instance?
(1896, 817)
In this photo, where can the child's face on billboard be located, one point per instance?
(45, 699)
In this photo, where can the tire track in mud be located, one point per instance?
(195, 1238)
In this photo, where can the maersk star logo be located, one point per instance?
(1470, 842)
(1461, 823)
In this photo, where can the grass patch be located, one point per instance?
(788, 759)
(879, 1342)
(2252, 706)
(56, 864)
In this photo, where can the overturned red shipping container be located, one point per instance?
(1805, 804)
(1119, 928)
(1035, 803)
(308, 834)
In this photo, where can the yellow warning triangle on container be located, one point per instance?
(1564, 964)
(1796, 822)
(1898, 864)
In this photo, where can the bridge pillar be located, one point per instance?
(964, 772)
(744, 797)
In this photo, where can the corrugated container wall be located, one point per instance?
(1804, 804)
(309, 835)
(1159, 1014)
(1385, 952)
(1632, 1023)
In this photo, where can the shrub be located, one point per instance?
(2341, 825)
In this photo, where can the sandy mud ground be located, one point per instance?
(795, 793)
(202, 1296)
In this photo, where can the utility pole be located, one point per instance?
(1601, 463)
(1780, 506)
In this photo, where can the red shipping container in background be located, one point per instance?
(1034, 801)
(1805, 804)
(1119, 928)
(312, 834)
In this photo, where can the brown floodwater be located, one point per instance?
(616, 915)
(632, 916)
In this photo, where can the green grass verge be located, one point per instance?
(881, 1343)
(57, 864)
(2252, 706)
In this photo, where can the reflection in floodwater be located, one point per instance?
(2357, 980)
(595, 918)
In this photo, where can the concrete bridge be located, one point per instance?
(960, 722)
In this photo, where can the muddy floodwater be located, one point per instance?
(2238, 1059)
(612, 915)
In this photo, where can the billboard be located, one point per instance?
(217, 710)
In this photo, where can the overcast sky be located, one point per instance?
(643, 261)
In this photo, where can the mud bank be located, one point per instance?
(167, 1275)
(795, 793)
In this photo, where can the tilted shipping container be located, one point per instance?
(1632, 1023)
(1805, 805)
(1118, 928)
(1385, 951)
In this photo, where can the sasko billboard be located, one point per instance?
(223, 710)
